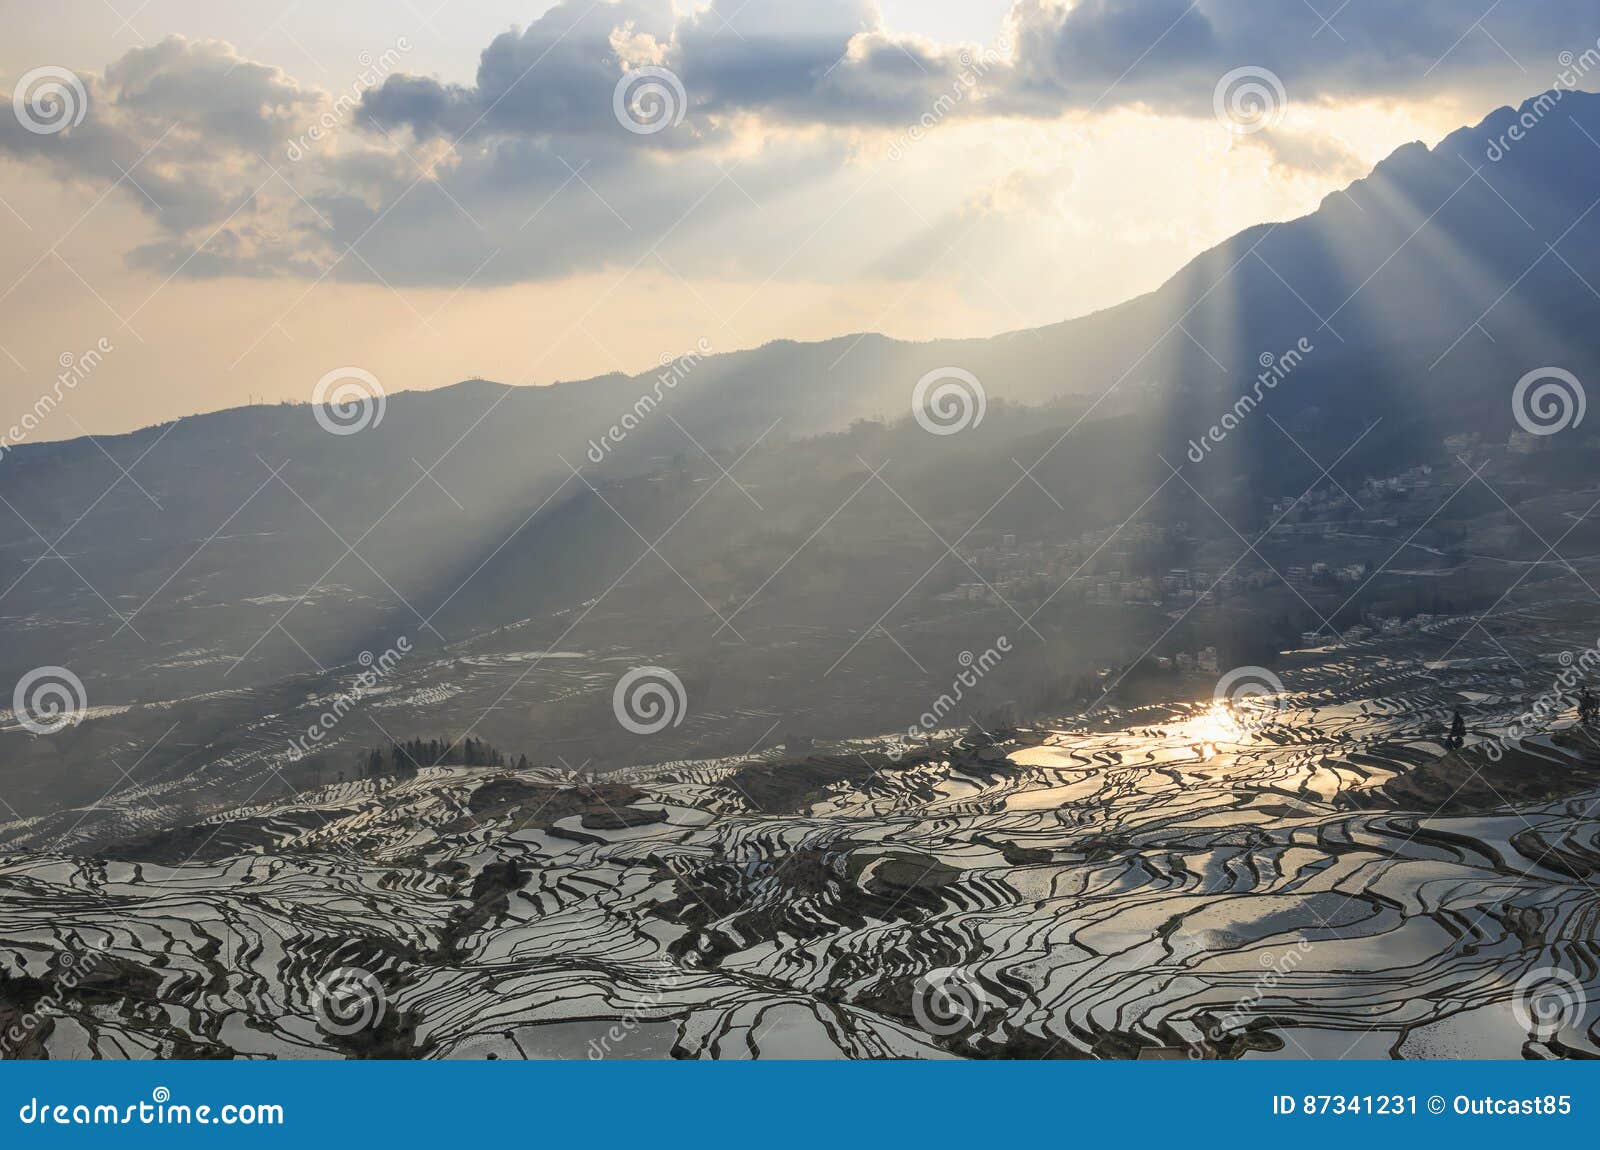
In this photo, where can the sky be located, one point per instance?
(204, 204)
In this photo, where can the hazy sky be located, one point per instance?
(238, 198)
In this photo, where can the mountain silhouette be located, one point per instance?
(1419, 296)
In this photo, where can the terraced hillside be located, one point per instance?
(1305, 874)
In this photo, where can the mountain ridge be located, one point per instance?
(253, 555)
(1400, 163)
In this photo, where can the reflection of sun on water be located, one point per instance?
(1216, 724)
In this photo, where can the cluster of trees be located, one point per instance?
(404, 758)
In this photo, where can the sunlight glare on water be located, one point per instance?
(1216, 724)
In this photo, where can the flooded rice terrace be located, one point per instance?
(1307, 875)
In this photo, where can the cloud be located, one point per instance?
(191, 132)
(531, 171)
(1315, 153)
(1168, 54)
(221, 100)
(554, 79)
(172, 121)
(830, 61)
(833, 62)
